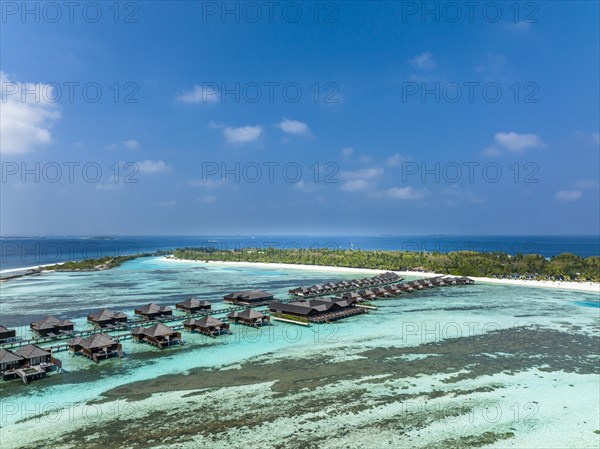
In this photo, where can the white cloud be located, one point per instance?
(243, 134)
(26, 120)
(493, 65)
(207, 199)
(405, 193)
(131, 144)
(587, 184)
(199, 94)
(457, 195)
(518, 143)
(589, 138)
(306, 187)
(169, 203)
(295, 127)
(152, 167)
(491, 151)
(364, 173)
(423, 61)
(347, 152)
(355, 185)
(569, 195)
(360, 180)
(513, 142)
(396, 159)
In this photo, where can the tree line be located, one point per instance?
(565, 266)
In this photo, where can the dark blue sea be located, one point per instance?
(21, 252)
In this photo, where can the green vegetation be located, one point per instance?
(290, 317)
(462, 263)
(103, 263)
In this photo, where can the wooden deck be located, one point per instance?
(329, 317)
(122, 330)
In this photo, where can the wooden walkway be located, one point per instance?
(347, 290)
(60, 342)
(119, 332)
(399, 283)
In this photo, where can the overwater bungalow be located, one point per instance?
(406, 287)
(416, 285)
(393, 290)
(153, 311)
(9, 360)
(193, 305)
(206, 325)
(50, 326)
(449, 280)
(381, 292)
(351, 296)
(106, 318)
(249, 317)
(7, 334)
(254, 297)
(34, 355)
(367, 294)
(34, 363)
(465, 280)
(96, 346)
(426, 283)
(345, 285)
(438, 281)
(317, 310)
(389, 276)
(158, 335)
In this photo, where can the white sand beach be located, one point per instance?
(590, 287)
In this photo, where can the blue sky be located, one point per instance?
(363, 100)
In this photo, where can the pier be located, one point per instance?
(122, 330)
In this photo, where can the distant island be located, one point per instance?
(104, 263)
(567, 267)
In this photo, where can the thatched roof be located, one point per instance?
(106, 315)
(30, 351)
(249, 314)
(249, 295)
(153, 308)
(9, 357)
(158, 330)
(50, 322)
(192, 303)
(93, 341)
(205, 321)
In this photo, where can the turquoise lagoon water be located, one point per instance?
(551, 400)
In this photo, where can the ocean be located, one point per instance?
(24, 252)
(484, 365)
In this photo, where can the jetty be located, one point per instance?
(96, 346)
(249, 298)
(207, 325)
(316, 310)
(25, 359)
(106, 318)
(157, 335)
(27, 362)
(249, 317)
